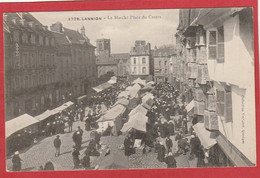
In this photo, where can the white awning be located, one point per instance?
(18, 123)
(207, 138)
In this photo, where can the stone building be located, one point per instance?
(122, 63)
(216, 52)
(161, 57)
(30, 67)
(76, 61)
(141, 62)
(105, 62)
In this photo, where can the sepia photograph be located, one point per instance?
(129, 89)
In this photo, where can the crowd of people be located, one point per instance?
(167, 120)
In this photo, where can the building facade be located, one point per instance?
(30, 67)
(76, 61)
(218, 56)
(105, 62)
(141, 62)
(161, 58)
(122, 63)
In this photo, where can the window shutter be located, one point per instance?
(212, 45)
(228, 107)
(221, 48)
(220, 102)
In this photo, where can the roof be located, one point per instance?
(138, 109)
(28, 18)
(137, 121)
(44, 115)
(118, 56)
(106, 62)
(18, 124)
(113, 113)
(122, 101)
(123, 94)
(76, 37)
(208, 15)
(60, 38)
(163, 51)
(102, 87)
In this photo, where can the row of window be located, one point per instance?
(31, 38)
(143, 60)
(165, 63)
(143, 70)
(29, 81)
(31, 60)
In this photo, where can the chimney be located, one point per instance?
(23, 22)
(31, 24)
(57, 27)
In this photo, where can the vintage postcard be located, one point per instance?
(129, 89)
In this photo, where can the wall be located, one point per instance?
(238, 72)
(139, 65)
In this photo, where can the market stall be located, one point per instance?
(113, 117)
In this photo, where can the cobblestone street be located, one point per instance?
(44, 150)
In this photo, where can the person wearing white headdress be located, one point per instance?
(16, 160)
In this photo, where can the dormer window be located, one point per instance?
(32, 38)
(47, 42)
(24, 38)
(40, 40)
(16, 36)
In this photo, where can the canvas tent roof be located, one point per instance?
(44, 115)
(115, 160)
(122, 101)
(137, 122)
(128, 88)
(113, 113)
(138, 116)
(18, 123)
(151, 83)
(123, 94)
(138, 109)
(112, 80)
(147, 96)
(134, 90)
(102, 87)
(207, 138)
(139, 81)
(62, 107)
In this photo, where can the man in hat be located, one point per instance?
(16, 160)
(70, 122)
(77, 138)
(168, 142)
(75, 156)
(47, 129)
(161, 153)
(86, 161)
(194, 145)
(57, 144)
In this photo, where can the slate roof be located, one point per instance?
(163, 51)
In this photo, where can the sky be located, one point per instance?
(155, 26)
